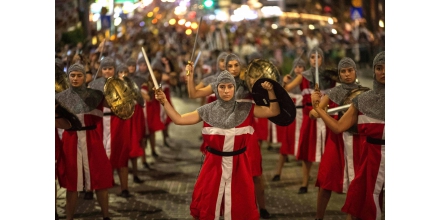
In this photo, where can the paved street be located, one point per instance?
(166, 193)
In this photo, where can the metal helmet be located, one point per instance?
(61, 80)
(119, 97)
(260, 68)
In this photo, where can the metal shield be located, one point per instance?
(287, 107)
(260, 68)
(119, 97)
(67, 114)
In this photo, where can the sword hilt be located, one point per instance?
(188, 71)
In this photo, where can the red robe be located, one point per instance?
(137, 132)
(288, 136)
(152, 113)
(116, 139)
(83, 163)
(364, 196)
(313, 132)
(225, 186)
(331, 171)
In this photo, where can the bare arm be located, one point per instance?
(294, 83)
(194, 92)
(274, 107)
(178, 119)
(337, 126)
(322, 105)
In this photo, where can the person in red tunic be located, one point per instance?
(152, 111)
(137, 121)
(332, 169)
(234, 66)
(367, 112)
(116, 131)
(224, 186)
(289, 135)
(83, 163)
(313, 132)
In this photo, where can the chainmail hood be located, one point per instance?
(80, 99)
(324, 82)
(76, 67)
(108, 62)
(222, 55)
(372, 103)
(98, 84)
(298, 62)
(224, 114)
(231, 57)
(131, 62)
(121, 67)
(346, 62)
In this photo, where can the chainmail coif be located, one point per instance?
(324, 82)
(224, 114)
(79, 99)
(372, 103)
(338, 93)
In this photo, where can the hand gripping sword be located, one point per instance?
(194, 47)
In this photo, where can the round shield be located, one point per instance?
(61, 80)
(287, 107)
(135, 89)
(119, 97)
(65, 113)
(260, 68)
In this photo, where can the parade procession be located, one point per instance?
(233, 120)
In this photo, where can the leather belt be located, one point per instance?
(375, 141)
(225, 154)
(91, 127)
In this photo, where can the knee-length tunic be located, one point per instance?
(137, 132)
(288, 136)
(331, 171)
(116, 139)
(364, 193)
(313, 132)
(225, 186)
(83, 163)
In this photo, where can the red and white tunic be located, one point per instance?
(116, 139)
(288, 136)
(152, 114)
(313, 132)
(137, 132)
(352, 152)
(83, 163)
(364, 194)
(331, 171)
(225, 186)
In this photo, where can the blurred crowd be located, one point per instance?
(170, 42)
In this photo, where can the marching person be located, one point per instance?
(226, 172)
(242, 94)
(367, 112)
(289, 135)
(83, 163)
(140, 124)
(137, 121)
(116, 131)
(332, 172)
(313, 132)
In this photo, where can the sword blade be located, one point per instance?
(156, 86)
(195, 42)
